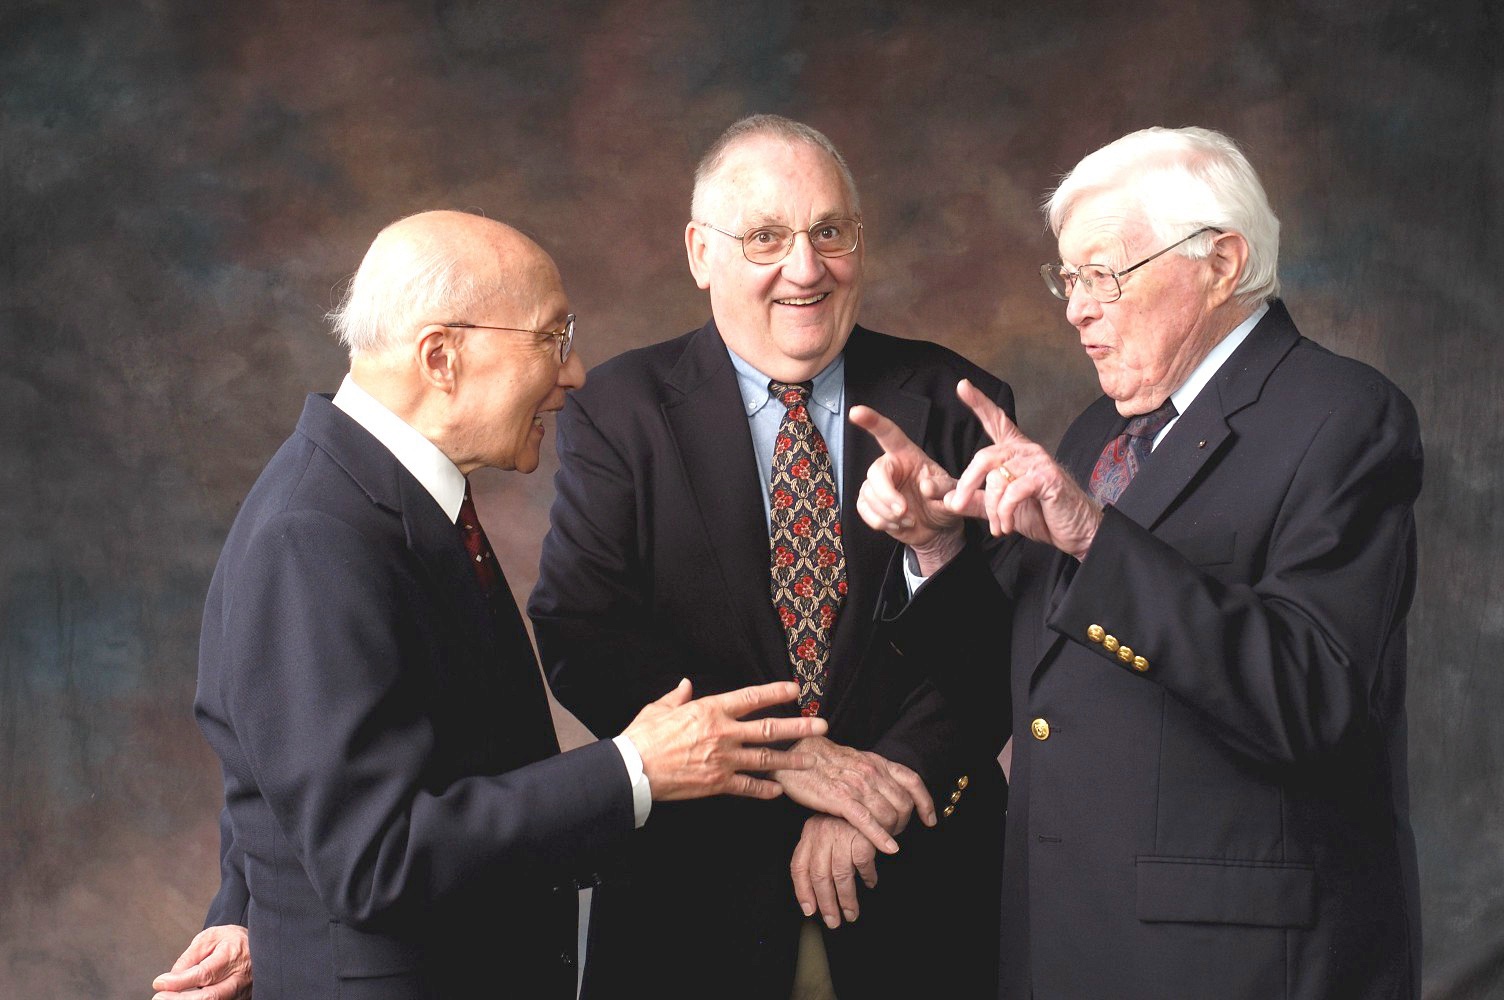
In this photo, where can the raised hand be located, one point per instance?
(904, 492)
(694, 748)
(1017, 487)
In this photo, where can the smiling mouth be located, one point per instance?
(806, 300)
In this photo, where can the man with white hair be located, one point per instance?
(398, 819)
(1205, 675)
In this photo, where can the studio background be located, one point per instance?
(185, 185)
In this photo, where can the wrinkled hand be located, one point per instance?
(904, 494)
(1017, 487)
(872, 793)
(215, 966)
(831, 853)
(691, 749)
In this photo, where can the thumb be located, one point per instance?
(680, 695)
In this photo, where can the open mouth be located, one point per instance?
(805, 300)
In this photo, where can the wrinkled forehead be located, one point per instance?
(1103, 228)
(766, 181)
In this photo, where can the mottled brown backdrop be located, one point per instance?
(184, 184)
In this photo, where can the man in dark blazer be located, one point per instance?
(1205, 676)
(398, 819)
(657, 564)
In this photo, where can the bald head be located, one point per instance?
(435, 267)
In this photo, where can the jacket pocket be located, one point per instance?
(360, 955)
(1226, 891)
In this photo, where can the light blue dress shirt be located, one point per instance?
(827, 410)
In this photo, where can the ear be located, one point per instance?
(1228, 259)
(437, 357)
(696, 247)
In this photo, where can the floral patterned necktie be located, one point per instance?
(1126, 453)
(808, 564)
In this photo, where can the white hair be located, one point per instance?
(401, 286)
(707, 173)
(1181, 180)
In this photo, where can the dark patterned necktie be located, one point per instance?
(482, 559)
(808, 565)
(1126, 454)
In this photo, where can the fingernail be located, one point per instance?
(907, 522)
(809, 911)
(832, 922)
(850, 916)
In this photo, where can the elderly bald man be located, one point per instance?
(398, 819)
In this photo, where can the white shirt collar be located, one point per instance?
(418, 455)
(1215, 358)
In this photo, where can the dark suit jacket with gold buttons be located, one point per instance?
(656, 567)
(1209, 792)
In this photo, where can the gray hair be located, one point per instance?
(1180, 180)
(400, 286)
(773, 126)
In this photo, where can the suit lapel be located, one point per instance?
(704, 415)
(873, 379)
(1202, 432)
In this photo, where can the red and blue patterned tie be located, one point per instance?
(1126, 453)
(808, 564)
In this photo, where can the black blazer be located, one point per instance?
(395, 803)
(1228, 816)
(656, 567)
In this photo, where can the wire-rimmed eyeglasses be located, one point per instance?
(564, 337)
(770, 244)
(1100, 281)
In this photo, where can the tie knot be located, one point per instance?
(1149, 424)
(790, 394)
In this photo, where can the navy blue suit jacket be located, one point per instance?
(656, 567)
(1209, 792)
(398, 819)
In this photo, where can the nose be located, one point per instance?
(572, 372)
(1081, 307)
(803, 266)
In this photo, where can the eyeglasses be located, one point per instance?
(1101, 282)
(564, 337)
(770, 244)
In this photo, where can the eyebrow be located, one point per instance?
(763, 219)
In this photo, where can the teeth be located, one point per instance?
(537, 420)
(806, 301)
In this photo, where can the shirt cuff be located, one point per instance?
(911, 571)
(642, 792)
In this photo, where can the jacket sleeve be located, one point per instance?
(233, 898)
(944, 724)
(325, 698)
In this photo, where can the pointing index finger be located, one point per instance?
(891, 439)
(994, 421)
